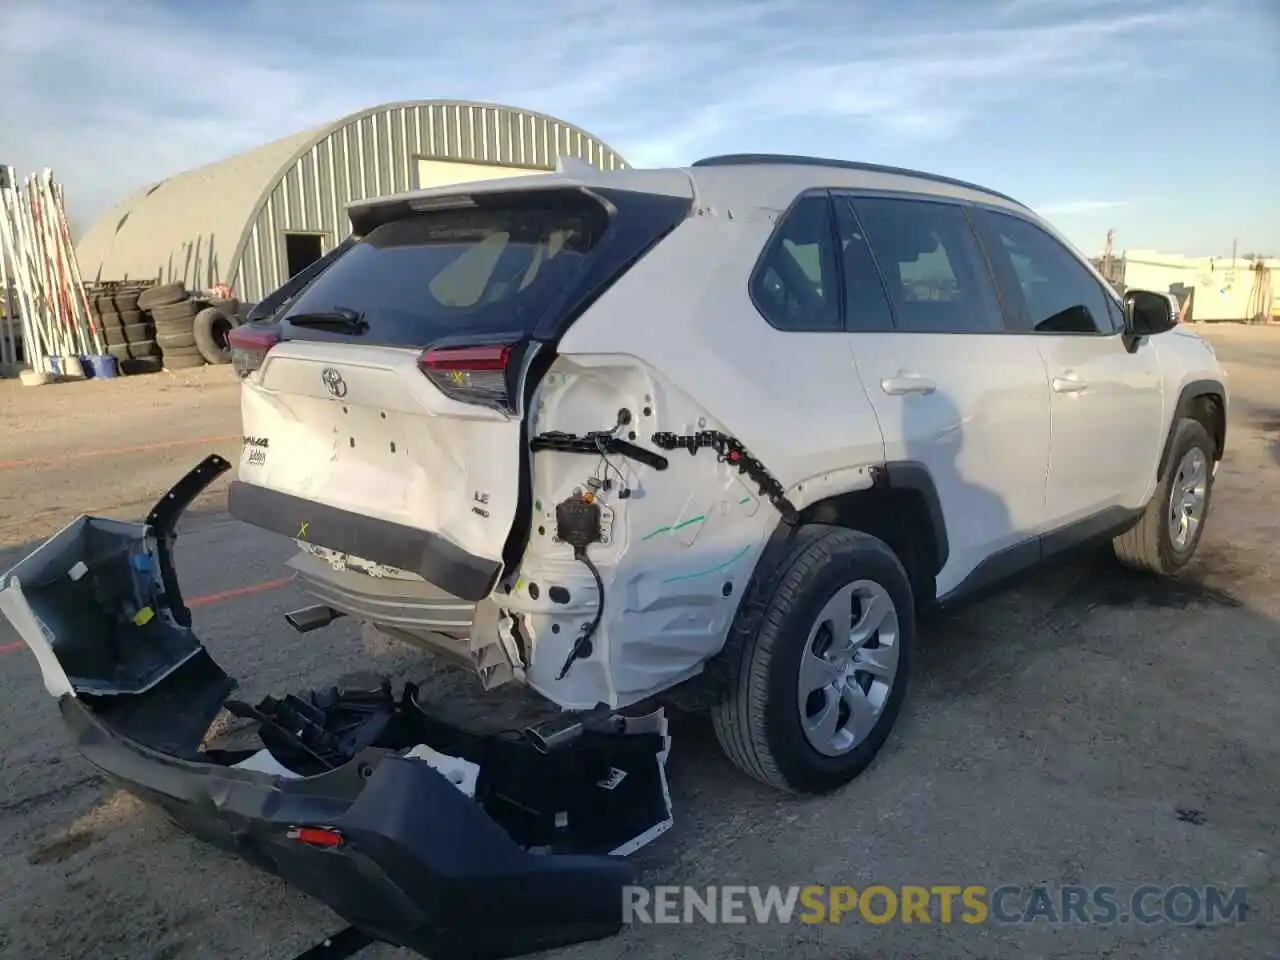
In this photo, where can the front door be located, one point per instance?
(1106, 403)
(953, 389)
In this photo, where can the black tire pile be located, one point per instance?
(127, 328)
(149, 328)
(189, 332)
(174, 313)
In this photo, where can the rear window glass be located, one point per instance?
(450, 272)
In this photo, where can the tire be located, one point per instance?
(128, 317)
(210, 331)
(175, 326)
(183, 362)
(1150, 545)
(130, 367)
(176, 312)
(173, 341)
(161, 295)
(125, 301)
(109, 318)
(131, 333)
(188, 351)
(759, 720)
(143, 349)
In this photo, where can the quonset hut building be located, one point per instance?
(253, 220)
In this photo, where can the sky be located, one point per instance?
(1158, 118)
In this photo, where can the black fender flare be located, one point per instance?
(915, 476)
(1186, 397)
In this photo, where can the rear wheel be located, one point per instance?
(1165, 539)
(818, 684)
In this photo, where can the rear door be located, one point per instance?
(955, 391)
(392, 404)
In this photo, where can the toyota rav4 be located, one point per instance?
(708, 437)
(713, 433)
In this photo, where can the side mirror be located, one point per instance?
(1147, 313)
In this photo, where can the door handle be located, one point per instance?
(907, 383)
(1067, 383)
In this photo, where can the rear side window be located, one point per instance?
(472, 271)
(936, 275)
(1044, 287)
(796, 285)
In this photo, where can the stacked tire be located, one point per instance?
(189, 332)
(174, 313)
(127, 329)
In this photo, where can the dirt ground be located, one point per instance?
(1084, 727)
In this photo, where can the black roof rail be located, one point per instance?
(782, 159)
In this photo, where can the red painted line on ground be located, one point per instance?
(207, 600)
(246, 591)
(112, 452)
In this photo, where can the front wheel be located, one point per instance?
(1165, 539)
(818, 682)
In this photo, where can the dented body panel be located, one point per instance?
(648, 358)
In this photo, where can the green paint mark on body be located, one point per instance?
(710, 570)
(677, 526)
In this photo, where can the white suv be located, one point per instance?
(712, 435)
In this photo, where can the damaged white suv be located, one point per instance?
(712, 435)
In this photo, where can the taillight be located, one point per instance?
(249, 346)
(471, 374)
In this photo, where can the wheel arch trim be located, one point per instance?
(915, 476)
(1189, 393)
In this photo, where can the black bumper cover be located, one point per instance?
(420, 865)
(402, 854)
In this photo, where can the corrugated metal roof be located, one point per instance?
(187, 226)
(199, 225)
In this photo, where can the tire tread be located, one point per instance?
(738, 717)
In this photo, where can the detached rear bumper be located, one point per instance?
(357, 812)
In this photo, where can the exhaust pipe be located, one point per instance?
(312, 618)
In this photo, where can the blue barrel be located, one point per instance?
(100, 366)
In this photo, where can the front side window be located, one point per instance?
(932, 265)
(796, 285)
(1044, 288)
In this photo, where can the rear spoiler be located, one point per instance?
(571, 175)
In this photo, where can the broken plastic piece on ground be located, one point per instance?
(461, 773)
(420, 865)
(264, 762)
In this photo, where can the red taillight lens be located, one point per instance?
(250, 345)
(316, 836)
(471, 374)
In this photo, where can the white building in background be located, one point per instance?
(1220, 288)
(253, 220)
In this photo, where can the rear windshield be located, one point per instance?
(472, 271)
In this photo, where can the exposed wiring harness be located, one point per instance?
(578, 524)
(582, 645)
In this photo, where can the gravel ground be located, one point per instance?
(1084, 727)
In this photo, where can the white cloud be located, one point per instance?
(116, 99)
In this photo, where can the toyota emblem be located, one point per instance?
(333, 382)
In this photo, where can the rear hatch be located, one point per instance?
(383, 405)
